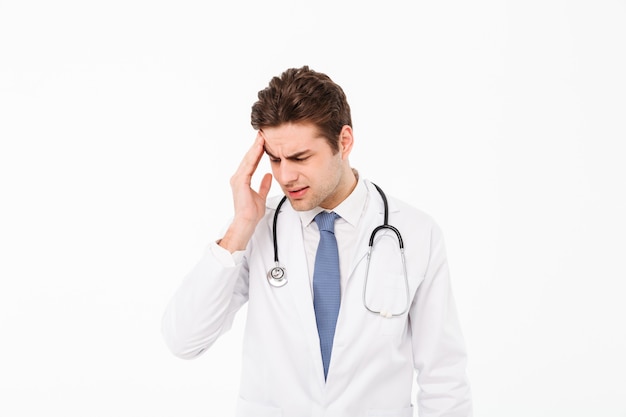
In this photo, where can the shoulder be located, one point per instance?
(273, 202)
(399, 207)
(276, 201)
(404, 215)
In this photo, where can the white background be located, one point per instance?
(122, 121)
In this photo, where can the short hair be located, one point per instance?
(302, 95)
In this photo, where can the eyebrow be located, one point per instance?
(292, 157)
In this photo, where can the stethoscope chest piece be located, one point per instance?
(277, 276)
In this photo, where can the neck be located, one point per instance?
(346, 186)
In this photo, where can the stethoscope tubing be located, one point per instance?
(277, 276)
(384, 226)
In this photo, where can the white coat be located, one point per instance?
(374, 359)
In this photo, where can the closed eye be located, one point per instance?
(297, 157)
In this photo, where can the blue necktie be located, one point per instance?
(326, 287)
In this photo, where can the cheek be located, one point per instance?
(332, 167)
(327, 176)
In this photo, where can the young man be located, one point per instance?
(330, 330)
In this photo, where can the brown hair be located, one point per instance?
(303, 95)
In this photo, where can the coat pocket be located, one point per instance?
(249, 409)
(386, 296)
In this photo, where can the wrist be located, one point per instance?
(237, 236)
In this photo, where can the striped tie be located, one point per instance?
(326, 287)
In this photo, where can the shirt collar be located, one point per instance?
(349, 209)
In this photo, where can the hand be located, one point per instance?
(249, 204)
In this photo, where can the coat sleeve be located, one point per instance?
(438, 345)
(205, 304)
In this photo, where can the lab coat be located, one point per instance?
(374, 359)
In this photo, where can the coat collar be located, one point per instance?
(373, 216)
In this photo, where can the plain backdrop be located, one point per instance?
(121, 123)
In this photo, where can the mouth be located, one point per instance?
(297, 193)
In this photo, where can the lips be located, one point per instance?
(297, 193)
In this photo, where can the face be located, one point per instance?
(304, 165)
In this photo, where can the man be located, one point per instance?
(336, 332)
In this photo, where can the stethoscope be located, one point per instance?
(277, 276)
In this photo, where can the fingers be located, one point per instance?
(250, 161)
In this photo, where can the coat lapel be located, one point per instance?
(289, 230)
(292, 254)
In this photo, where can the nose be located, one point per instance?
(286, 172)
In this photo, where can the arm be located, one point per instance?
(205, 304)
(438, 345)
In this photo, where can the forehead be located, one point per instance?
(292, 135)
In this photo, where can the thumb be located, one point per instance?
(266, 184)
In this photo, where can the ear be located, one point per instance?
(346, 140)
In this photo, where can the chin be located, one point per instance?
(301, 205)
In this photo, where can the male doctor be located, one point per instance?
(337, 332)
